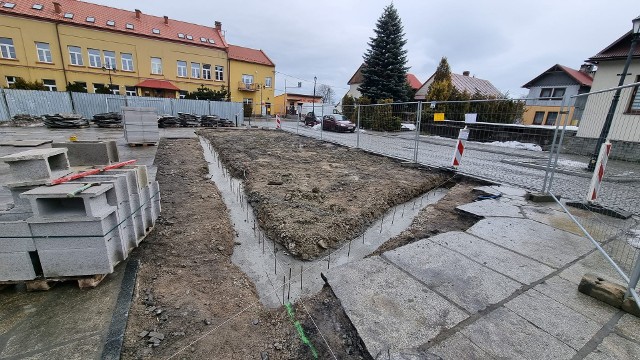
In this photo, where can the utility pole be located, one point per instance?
(313, 104)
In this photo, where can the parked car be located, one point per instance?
(312, 119)
(337, 122)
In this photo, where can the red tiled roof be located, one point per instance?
(142, 27)
(580, 77)
(413, 81)
(157, 84)
(357, 79)
(617, 50)
(249, 55)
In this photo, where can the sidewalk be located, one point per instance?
(505, 288)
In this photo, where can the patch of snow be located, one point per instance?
(410, 127)
(634, 239)
(572, 163)
(517, 145)
(316, 127)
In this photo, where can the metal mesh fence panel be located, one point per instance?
(90, 104)
(162, 105)
(37, 102)
(227, 110)
(4, 111)
(605, 200)
(196, 107)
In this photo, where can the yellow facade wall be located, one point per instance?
(26, 32)
(262, 93)
(530, 112)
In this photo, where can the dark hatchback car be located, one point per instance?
(311, 119)
(337, 122)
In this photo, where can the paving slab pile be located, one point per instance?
(25, 120)
(188, 120)
(168, 121)
(79, 228)
(140, 125)
(209, 120)
(65, 121)
(108, 120)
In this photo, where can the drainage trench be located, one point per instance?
(279, 277)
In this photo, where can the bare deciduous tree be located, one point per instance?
(326, 92)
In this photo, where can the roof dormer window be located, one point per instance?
(181, 35)
(211, 41)
(68, 15)
(204, 40)
(111, 23)
(37, 6)
(156, 31)
(129, 26)
(8, 5)
(189, 37)
(91, 19)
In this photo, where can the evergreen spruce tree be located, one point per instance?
(441, 89)
(384, 74)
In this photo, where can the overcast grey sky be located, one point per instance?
(507, 42)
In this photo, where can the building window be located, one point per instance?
(634, 104)
(115, 89)
(10, 80)
(97, 86)
(247, 101)
(247, 79)
(183, 94)
(129, 26)
(219, 73)
(551, 118)
(182, 68)
(44, 52)
(195, 70)
(68, 15)
(94, 58)
(7, 50)
(110, 60)
(130, 91)
(156, 66)
(50, 85)
(91, 19)
(206, 71)
(552, 93)
(75, 54)
(127, 62)
(538, 118)
(82, 84)
(267, 82)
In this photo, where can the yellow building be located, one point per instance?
(252, 78)
(71, 41)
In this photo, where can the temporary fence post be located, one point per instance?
(417, 139)
(459, 151)
(555, 148)
(358, 129)
(598, 174)
(635, 275)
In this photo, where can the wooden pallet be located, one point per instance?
(44, 284)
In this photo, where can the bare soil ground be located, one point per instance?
(311, 196)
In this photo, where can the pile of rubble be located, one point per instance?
(25, 120)
(168, 121)
(108, 120)
(65, 121)
(188, 120)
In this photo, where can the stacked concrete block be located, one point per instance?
(37, 166)
(155, 194)
(89, 153)
(16, 248)
(76, 235)
(140, 125)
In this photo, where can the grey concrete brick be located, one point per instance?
(148, 213)
(15, 236)
(155, 194)
(19, 203)
(16, 266)
(89, 153)
(34, 166)
(53, 202)
(76, 262)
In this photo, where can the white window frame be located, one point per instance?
(11, 80)
(156, 66)
(206, 71)
(44, 52)
(182, 69)
(95, 59)
(268, 82)
(111, 62)
(7, 49)
(130, 91)
(75, 57)
(183, 94)
(50, 87)
(195, 70)
(219, 73)
(127, 61)
(115, 89)
(247, 79)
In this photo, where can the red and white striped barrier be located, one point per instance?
(278, 121)
(598, 174)
(462, 141)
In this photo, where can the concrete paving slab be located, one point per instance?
(491, 207)
(459, 347)
(615, 347)
(567, 325)
(566, 293)
(390, 309)
(506, 335)
(629, 326)
(503, 190)
(557, 219)
(465, 282)
(506, 262)
(541, 242)
(594, 263)
(25, 143)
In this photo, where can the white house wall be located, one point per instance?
(624, 127)
(353, 90)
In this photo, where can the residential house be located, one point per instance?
(290, 103)
(626, 124)
(556, 87)
(252, 78)
(356, 80)
(462, 83)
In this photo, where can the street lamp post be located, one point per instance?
(635, 35)
(107, 66)
(313, 103)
